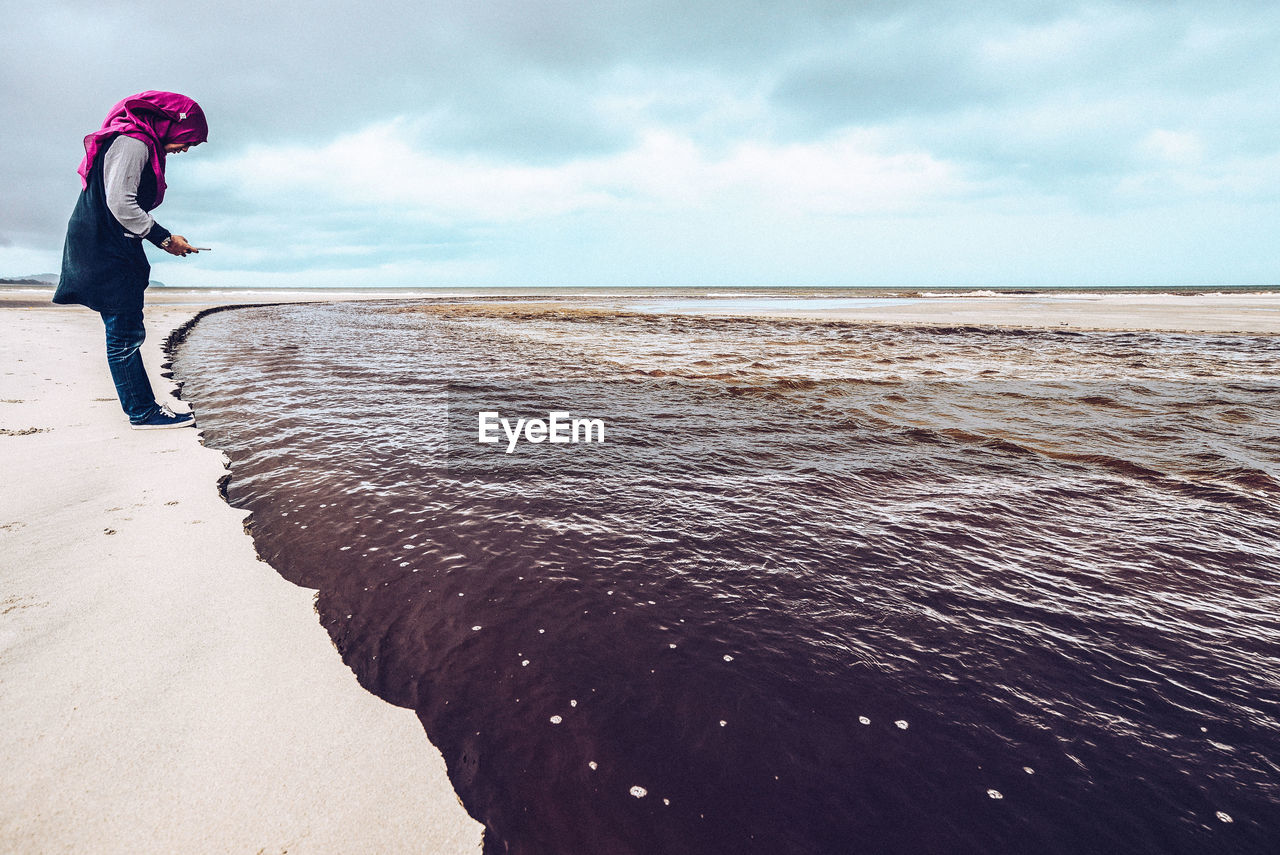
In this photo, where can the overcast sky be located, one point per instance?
(699, 142)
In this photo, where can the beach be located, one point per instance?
(165, 688)
(161, 689)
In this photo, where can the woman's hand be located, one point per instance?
(178, 246)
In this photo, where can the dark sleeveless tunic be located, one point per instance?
(102, 267)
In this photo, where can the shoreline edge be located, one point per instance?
(161, 687)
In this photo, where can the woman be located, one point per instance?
(103, 263)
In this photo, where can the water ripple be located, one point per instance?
(827, 588)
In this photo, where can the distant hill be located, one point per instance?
(51, 279)
(33, 279)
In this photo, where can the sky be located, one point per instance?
(654, 142)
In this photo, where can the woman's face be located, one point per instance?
(176, 147)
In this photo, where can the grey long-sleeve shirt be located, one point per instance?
(122, 170)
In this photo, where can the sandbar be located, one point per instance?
(1248, 313)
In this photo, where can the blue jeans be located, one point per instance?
(125, 334)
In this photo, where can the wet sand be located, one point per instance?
(161, 689)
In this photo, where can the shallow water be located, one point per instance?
(825, 588)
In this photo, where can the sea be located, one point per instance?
(801, 587)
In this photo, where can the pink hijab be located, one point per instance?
(155, 118)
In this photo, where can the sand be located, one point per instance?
(161, 689)
(1253, 313)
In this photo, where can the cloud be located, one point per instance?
(618, 139)
(377, 168)
(371, 196)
